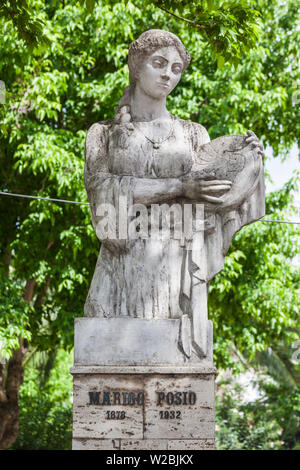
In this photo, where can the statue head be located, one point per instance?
(150, 42)
(156, 61)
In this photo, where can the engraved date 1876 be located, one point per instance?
(115, 415)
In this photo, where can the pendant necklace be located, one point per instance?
(157, 143)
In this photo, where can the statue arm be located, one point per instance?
(156, 190)
(95, 154)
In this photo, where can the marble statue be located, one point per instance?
(148, 158)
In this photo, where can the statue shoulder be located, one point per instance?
(97, 134)
(197, 133)
(96, 147)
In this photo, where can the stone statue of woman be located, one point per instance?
(146, 156)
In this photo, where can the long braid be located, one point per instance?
(123, 116)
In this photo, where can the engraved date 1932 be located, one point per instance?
(172, 414)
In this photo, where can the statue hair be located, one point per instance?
(147, 43)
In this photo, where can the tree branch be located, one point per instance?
(29, 290)
(199, 26)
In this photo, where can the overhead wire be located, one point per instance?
(50, 199)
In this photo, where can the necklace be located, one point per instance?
(157, 143)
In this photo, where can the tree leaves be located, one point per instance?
(231, 28)
(257, 305)
(29, 23)
(14, 315)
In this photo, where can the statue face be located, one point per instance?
(160, 72)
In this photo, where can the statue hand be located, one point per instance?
(255, 143)
(205, 190)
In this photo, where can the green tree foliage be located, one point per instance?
(14, 316)
(56, 92)
(46, 407)
(245, 426)
(269, 421)
(27, 20)
(230, 28)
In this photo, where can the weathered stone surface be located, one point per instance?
(91, 421)
(191, 444)
(113, 341)
(143, 444)
(175, 407)
(96, 444)
(195, 420)
(202, 368)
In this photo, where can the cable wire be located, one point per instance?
(3, 193)
(43, 198)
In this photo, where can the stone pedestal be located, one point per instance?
(128, 394)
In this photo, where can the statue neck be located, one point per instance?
(147, 108)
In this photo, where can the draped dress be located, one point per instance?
(153, 278)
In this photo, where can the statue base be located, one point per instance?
(146, 402)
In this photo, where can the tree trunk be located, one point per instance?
(9, 396)
(11, 379)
